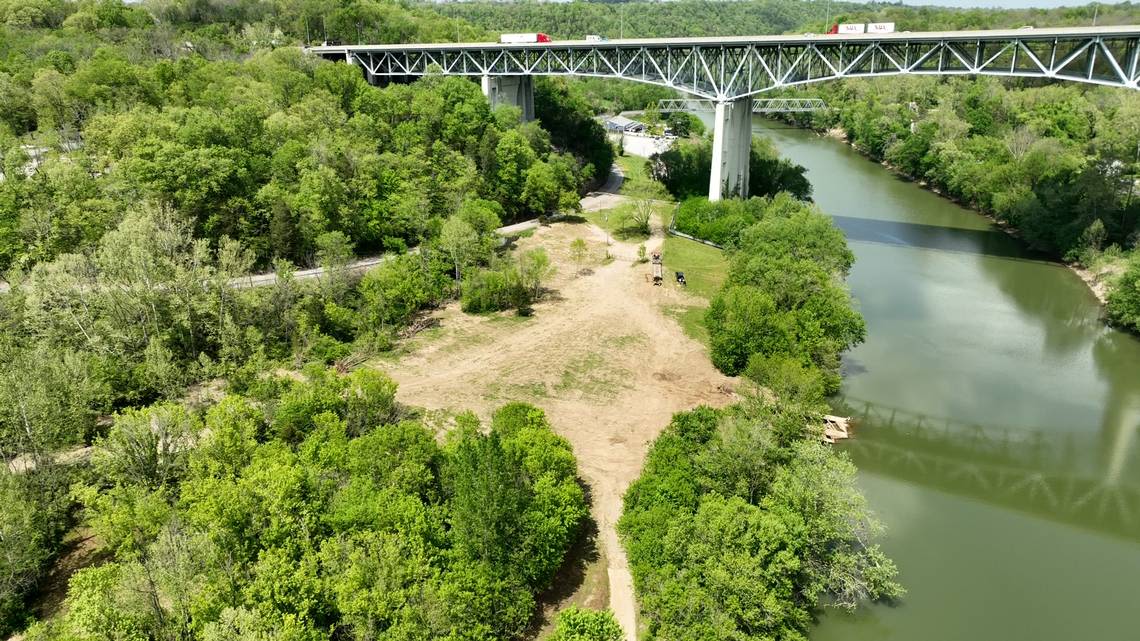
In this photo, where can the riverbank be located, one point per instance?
(1098, 278)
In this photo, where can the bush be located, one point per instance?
(578, 624)
(788, 378)
(493, 290)
(1124, 300)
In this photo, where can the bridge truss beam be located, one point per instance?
(759, 105)
(732, 68)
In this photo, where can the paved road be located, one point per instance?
(611, 186)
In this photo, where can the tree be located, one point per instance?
(725, 543)
(488, 498)
(534, 268)
(370, 401)
(743, 320)
(334, 253)
(30, 528)
(460, 241)
(148, 447)
(637, 217)
(542, 192)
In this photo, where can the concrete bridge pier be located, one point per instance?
(517, 91)
(732, 145)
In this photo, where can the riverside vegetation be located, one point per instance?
(743, 523)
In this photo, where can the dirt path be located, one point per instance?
(598, 356)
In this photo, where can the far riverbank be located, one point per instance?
(1099, 281)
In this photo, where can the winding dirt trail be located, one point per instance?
(598, 356)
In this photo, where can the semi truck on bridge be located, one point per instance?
(523, 38)
(859, 27)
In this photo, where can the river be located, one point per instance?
(999, 421)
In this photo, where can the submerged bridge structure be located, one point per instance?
(731, 70)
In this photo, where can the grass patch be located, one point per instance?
(691, 318)
(627, 340)
(593, 376)
(637, 182)
(616, 220)
(705, 267)
(535, 390)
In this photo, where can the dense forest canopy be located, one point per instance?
(573, 20)
(152, 156)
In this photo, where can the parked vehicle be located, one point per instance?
(859, 27)
(523, 38)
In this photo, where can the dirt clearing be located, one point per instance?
(599, 356)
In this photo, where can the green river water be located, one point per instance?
(999, 421)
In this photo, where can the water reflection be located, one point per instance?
(1064, 479)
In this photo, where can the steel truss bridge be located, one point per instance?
(759, 105)
(727, 68)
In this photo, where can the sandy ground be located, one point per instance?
(598, 356)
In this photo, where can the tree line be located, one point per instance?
(275, 151)
(573, 21)
(684, 169)
(742, 523)
(318, 508)
(741, 527)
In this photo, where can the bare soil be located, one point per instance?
(600, 357)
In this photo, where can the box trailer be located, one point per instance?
(523, 38)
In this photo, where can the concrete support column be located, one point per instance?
(517, 91)
(732, 146)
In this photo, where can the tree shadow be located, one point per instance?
(987, 242)
(570, 578)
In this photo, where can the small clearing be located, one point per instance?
(604, 361)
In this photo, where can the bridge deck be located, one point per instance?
(626, 43)
(732, 67)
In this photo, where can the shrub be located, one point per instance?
(788, 378)
(1124, 300)
(493, 290)
(578, 624)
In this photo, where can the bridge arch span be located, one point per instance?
(726, 69)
